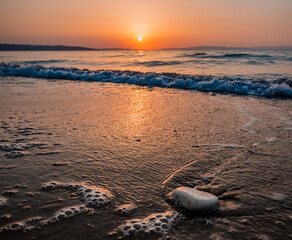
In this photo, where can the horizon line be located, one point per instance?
(197, 47)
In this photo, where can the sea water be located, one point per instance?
(250, 72)
(92, 143)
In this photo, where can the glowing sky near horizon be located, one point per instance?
(162, 23)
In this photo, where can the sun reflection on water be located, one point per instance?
(138, 117)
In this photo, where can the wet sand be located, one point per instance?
(138, 144)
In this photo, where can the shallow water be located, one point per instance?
(140, 143)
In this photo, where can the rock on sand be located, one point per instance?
(192, 199)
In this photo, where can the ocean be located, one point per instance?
(248, 72)
(93, 142)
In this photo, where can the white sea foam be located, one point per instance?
(25, 225)
(18, 146)
(126, 209)
(224, 85)
(66, 213)
(92, 196)
(38, 222)
(159, 223)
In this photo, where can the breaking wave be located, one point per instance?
(240, 86)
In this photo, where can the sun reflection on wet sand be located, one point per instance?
(137, 116)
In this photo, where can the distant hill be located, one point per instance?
(27, 47)
(231, 48)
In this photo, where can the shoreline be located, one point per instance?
(139, 144)
(279, 88)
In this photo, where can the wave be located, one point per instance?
(40, 62)
(240, 86)
(252, 62)
(194, 55)
(114, 56)
(245, 55)
(237, 56)
(157, 63)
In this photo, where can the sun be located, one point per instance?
(140, 38)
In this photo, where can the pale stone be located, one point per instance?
(192, 199)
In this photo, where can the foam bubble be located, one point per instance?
(126, 209)
(59, 185)
(159, 223)
(22, 140)
(14, 154)
(15, 149)
(92, 196)
(38, 222)
(25, 225)
(18, 146)
(66, 213)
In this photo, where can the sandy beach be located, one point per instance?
(138, 144)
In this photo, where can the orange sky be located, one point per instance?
(162, 23)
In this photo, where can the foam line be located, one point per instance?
(238, 86)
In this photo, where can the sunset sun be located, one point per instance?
(140, 38)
